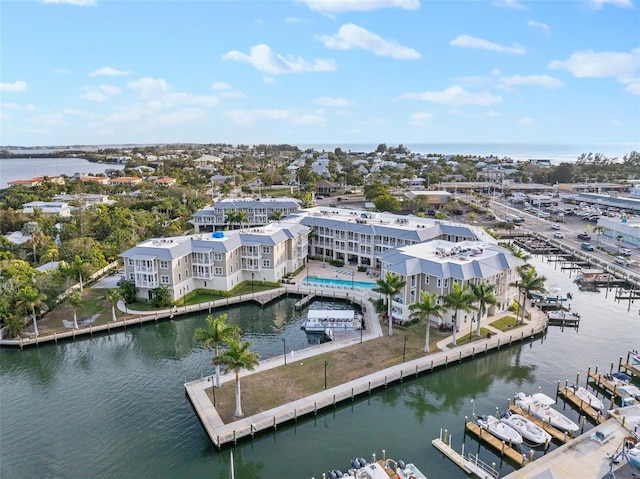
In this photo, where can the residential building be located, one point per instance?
(37, 181)
(216, 261)
(48, 208)
(84, 199)
(215, 217)
(165, 181)
(435, 267)
(103, 180)
(434, 199)
(358, 237)
(125, 180)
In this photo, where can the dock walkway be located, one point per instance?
(221, 434)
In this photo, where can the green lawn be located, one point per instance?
(506, 323)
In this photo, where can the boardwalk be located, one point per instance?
(221, 433)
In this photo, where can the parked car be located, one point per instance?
(584, 237)
(587, 246)
(555, 227)
(621, 260)
(624, 252)
(558, 234)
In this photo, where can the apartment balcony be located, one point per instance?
(147, 284)
(145, 270)
(252, 267)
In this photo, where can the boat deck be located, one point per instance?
(582, 406)
(499, 445)
(600, 380)
(555, 433)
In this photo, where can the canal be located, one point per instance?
(114, 405)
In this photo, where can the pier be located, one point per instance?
(499, 445)
(583, 407)
(601, 381)
(304, 301)
(556, 434)
(629, 368)
(471, 465)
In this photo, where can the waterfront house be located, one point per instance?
(125, 180)
(52, 208)
(37, 181)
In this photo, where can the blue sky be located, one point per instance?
(321, 71)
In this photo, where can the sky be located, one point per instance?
(98, 72)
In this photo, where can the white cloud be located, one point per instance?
(268, 80)
(420, 118)
(108, 72)
(454, 95)
(329, 101)
(81, 3)
(101, 93)
(510, 4)
(264, 59)
(16, 86)
(467, 41)
(359, 5)
(616, 3)
(310, 120)
(220, 86)
(545, 81)
(525, 120)
(352, 36)
(543, 27)
(180, 117)
(231, 94)
(49, 119)
(251, 117)
(623, 66)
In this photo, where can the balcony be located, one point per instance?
(145, 269)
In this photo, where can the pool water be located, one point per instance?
(343, 283)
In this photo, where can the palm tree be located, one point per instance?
(217, 333)
(460, 298)
(599, 230)
(529, 281)
(113, 295)
(424, 309)
(483, 295)
(31, 298)
(78, 266)
(236, 358)
(76, 300)
(239, 217)
(390, 286)
(277, 215)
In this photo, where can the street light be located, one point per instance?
(213, 389)
(404, 348)
(326, 363)
(284, 346)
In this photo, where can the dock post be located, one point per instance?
(401, 375)
(416, 370)
(432, 365)
(275, 424)
(385, 382)
(444, 437)
(473, 352)
(384, 455)
(486, 348)
(54, 337)
(460, 357)
(369, 388)
(295, 414)
(611, 369)
(234, 436)
(315, 408)
(351, 394)
(446, 360)
(498, 343)
(578, 379)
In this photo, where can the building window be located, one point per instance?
(426, 279)
(266, 263)
(131, 276)
(179, 277)
(178, 262)
(186, 273)
(446, 283)
(130, 260)
(218, 271)
(164, 265)
(413, 280)
(217, 256)
(439, 283)
(266, 250)
(164, 279)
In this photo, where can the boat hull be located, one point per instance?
(530, 432)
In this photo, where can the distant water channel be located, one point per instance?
(114, 406)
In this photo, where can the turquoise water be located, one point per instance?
(311, 280)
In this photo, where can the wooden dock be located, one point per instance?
(265, 299)
(600, 380)
(556, 434)
(629, 368)
(582, 406)
(569, 321)
(304, 301)
(472, 465)
(502, 447)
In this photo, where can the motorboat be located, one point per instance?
(633, 454)
(539, 405)
(622, 383)
(634, 356)
(499, 429)
(554, 295)
(381, 469)
(588, 397)
(530, 431)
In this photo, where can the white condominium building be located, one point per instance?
(218, 260)
(436, 266)
(216, 217)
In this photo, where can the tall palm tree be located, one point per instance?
(31, 298)
(236, 358)
(598, 230)
(424, 309)
(237, 217)
(460, 298)
(390, 286)
(76, 300)
(114, 295)
(529, 281)
(483, 296)
(217, 333)
(78, 266)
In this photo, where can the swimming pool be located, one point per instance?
(339, 283)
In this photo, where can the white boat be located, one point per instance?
(530, 431)
(499, 429)
(622, 383)
(552, 296)
(634, 455)
(588, 397)
(539, 405)
(382, 469)
(634, 356)
(319, 320)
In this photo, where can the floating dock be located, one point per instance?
(502, 447)
(304, 301)
(601, 381)
(471, 465)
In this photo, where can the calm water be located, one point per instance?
(114, 406)
(24, 168)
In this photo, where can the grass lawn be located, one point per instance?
(94, 301)
(298, 379)
(506, 323)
